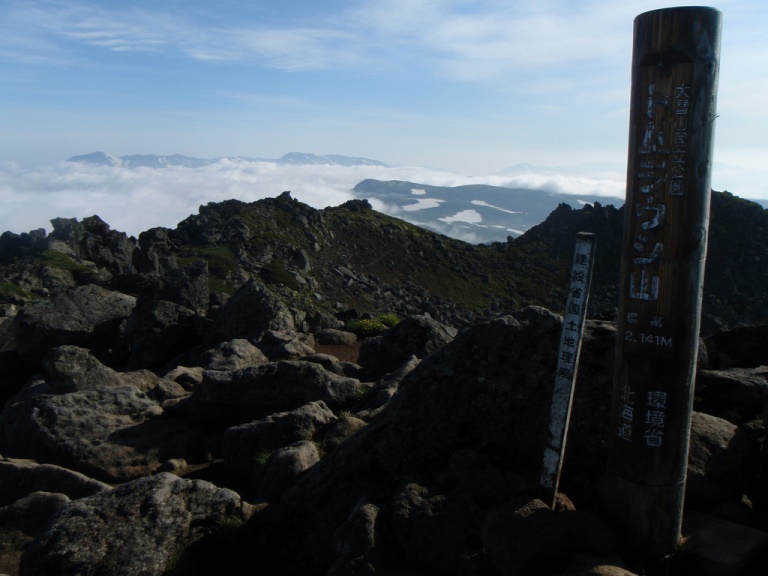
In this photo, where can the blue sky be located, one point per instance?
(465, 86)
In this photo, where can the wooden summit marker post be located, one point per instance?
(674, 85)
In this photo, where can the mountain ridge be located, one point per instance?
(165, 160)
(479, 213)
(353, 259)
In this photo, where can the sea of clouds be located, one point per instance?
(135, 199)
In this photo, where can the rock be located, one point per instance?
(715, 547)
(382, 392)
(589, 431)
(284, 345)
(735, 394)
(15, 371)
(584, 565)
(415, 335)
(157, 332)
(73, 369)
(339, 431)
(527, 537)
(134, 529)
(87, 316)
(187, 286)
(440, 533)
(337, 337)
(249, 313)
(225, 399)
(165, 390)
(154, 254)
(233, 355)
(19, 478)
(738, 347)
(242, 444)
(92, 240)
(356, 542)
(465, 394)
(722, 462)
(115, 434)
(31, 513)
(188, 377)
(285, 466)
(327, 361)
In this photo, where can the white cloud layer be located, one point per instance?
(134, 200)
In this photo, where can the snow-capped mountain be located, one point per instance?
(478, 212)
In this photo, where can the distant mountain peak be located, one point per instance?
(164, 161)
(98, 158)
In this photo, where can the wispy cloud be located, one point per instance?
(186, 34)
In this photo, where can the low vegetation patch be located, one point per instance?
(372, 326)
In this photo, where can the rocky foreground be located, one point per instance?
(259, 453)
(153, 426)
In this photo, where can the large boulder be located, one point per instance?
(135, 529)
(158, 331)
(71, 369)
(187, 286)
(87, 316)
(225, 399)
(114, 434)
(415, 335)
(155, 252)
(249, 313)
(93, 240)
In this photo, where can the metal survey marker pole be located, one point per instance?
(567, 363)
(674, 86)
